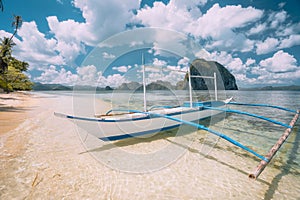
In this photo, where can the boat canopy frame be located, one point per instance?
(190, 76)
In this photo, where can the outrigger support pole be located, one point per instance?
(274, 149)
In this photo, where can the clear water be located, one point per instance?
(223, 172)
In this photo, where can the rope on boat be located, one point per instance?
(262, 105)
(225, 137)
(249, 114)
(274, 149)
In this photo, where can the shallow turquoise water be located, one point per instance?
(257, 134)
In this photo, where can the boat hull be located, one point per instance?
(111, 129)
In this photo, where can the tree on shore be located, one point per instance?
(1, 6)
(12, 75)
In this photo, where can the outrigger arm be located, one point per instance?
(250, 114)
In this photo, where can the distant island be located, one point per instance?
(275, 88)
(152, 86)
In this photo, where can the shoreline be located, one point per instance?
(15, 109)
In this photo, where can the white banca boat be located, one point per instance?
(118, 124)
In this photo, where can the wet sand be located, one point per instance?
(43, 157)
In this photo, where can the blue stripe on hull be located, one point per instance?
(125, 136)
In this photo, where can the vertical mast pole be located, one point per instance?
(144, 84)
(216, 90)
(190, 87)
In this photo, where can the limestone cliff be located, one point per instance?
(201, 67)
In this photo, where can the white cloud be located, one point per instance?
(104, 18)
(269, 45)
(281, 5)
(289, 29)
(108, 56)
(235, 65)
(267, 77)
(183, 62)
(86, 75)
(172, 76)
(113, 80)
(52, 75)
(69, 36)
(159, 63)
(280, 62)
(276, 18)
(5, 34)
(257, 29)
(166, 16)
(122, 69)
(218, 23)
(292, 40)
(250, 61)
(35, 48)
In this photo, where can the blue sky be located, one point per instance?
(258, 41)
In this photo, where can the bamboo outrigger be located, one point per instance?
(274, 149)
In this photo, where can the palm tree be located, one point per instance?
(1, 5)
(5, 53)
(17, 24)
(7, 44)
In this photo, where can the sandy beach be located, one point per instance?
(43, 157)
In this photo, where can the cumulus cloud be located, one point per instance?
(52, 75)
(183, 62)
(86, 75)
(222, 20)
(159, 63)
(122, 69)
(35, 48)
(108, 56)
(280, 62)
(257, 29)
(104, 18)
(218, 23)
(113, 80)
(266, 77)
(292, 40)
(269, 45)
(171, 76)
(5, 34)
(233, 64)
(250, 61)
(276, 18)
